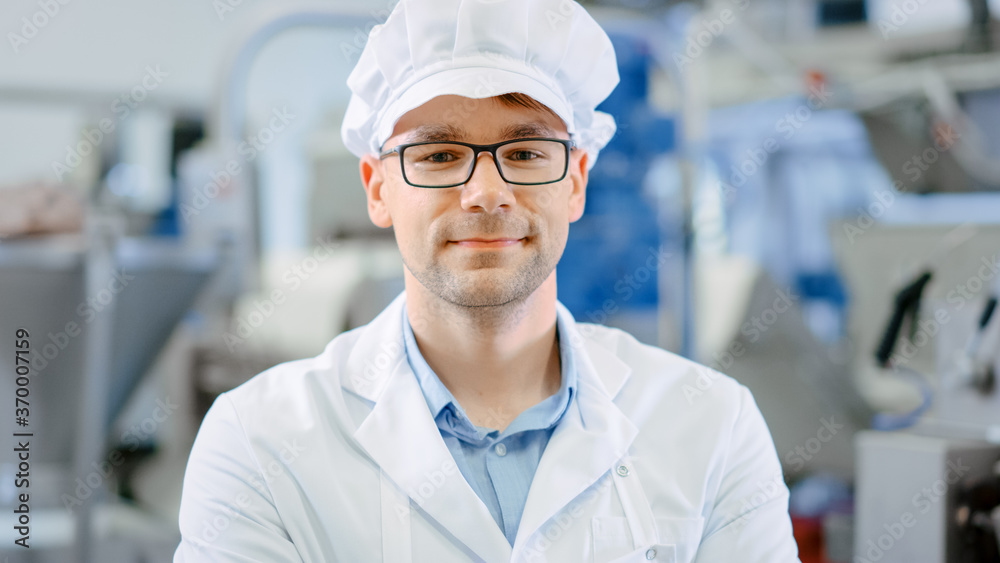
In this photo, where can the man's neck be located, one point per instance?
(496, 361)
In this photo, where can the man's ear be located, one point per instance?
(578, 173)
(374, 181)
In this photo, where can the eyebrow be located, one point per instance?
(436, 133)
(522, 130)
(445, 132)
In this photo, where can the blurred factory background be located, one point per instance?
(803, 194)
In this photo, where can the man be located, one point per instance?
(473, 419)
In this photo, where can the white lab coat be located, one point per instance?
(337, 458)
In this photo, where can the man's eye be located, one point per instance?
(522, 155)
(440, 157)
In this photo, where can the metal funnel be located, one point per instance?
(42, 290)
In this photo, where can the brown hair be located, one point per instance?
(517, 99)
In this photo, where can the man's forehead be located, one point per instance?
(452, 132)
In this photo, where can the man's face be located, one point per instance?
(486, 242)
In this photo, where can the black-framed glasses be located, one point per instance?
(523, 162)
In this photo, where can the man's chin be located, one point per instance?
(497, 285)
(477, 296)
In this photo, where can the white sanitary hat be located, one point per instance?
(551, 50)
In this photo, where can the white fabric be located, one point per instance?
(551, 50)
(337, 458)
(396, 544)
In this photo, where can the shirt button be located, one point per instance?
(650, 554)
(501, 449)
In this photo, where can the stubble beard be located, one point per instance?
(490, 289)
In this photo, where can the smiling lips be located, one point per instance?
(487, 243)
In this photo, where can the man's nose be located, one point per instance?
(486, 189)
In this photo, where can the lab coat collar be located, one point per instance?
(402, 438)
(542, 416)
(374, 355)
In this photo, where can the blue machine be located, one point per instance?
(602, 268)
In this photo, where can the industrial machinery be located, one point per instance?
(923, 301)
(91, 312)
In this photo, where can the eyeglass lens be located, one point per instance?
(522, 162)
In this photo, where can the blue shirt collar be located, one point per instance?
(450, 416)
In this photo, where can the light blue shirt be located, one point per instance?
(498, 466)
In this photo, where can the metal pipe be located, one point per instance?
(227, 123)
(230, 112)
(103, 233)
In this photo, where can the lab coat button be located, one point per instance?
(623, 471)
(650, 554)
(501, 450)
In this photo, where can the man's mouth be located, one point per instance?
(487, 242)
